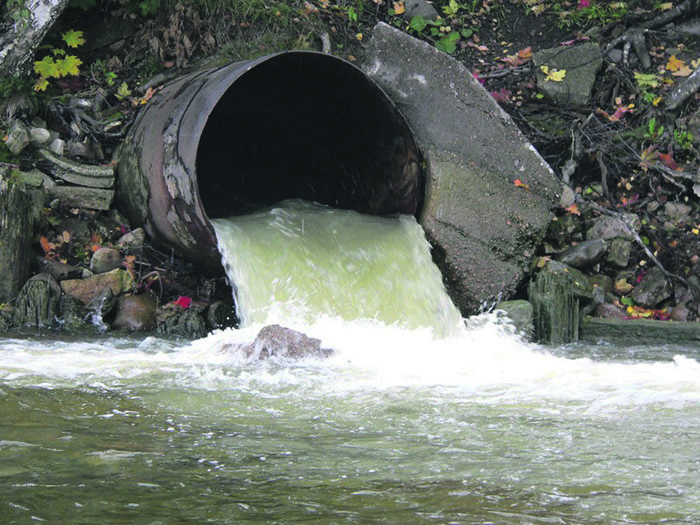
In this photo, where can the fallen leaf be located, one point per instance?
(554, 75)
(309, 8)
(674, 64)
(520, 184)
(667, 160)
(183, 301)
(46, 245)
(399, 8)
(573, 209)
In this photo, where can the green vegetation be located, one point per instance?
(58, 63)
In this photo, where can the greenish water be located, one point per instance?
(400, 425)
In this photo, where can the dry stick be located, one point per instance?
(635, 35)
(682, 91)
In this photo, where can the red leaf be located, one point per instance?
(668, 161)
(183, 301)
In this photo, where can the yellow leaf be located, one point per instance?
(359, 36)
(682, 72)
(554, 75)
(41, 84)
(399, 8)
(674, 64)
(665, 6)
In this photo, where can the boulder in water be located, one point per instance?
(278, 341)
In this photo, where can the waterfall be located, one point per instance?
(299, 261)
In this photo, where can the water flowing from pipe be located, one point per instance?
(300, 261)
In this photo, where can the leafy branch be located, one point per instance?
(58, 63)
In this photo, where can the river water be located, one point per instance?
(413, 419)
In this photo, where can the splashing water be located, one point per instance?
(417, 416)
(299, 261)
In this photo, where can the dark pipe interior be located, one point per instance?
(307, 125)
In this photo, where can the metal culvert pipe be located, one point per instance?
(228, 140)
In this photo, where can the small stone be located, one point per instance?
(57, 146)
(17, 137)
(677, 212)
(584, 254)
(680, 313)
(60, 271)
(568, 196)
(87, 289)
(133, 238)
(100, 308)
(39, 135)
(105, 260)
(275, 340)
(653, 289)
(580, 63)
(619, 252)
(609, 227)
(615, 55)
(420, 8)
(609, 311)
(136, 312)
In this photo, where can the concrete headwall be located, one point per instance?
(489, 196)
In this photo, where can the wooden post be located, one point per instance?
(16, 232)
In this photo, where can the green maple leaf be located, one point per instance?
(73, 38)
(47, 68)
(69, 65)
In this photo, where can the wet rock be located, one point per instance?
(100, 308)
(609, 311)
(608, 227)
(76, 318)
(60, 271)
(619, 252)
(584, 254)
(119, 281)
(105, 260)
(653, 289)
(557, 294)
(136, 312)
(581, 64)
(221, 314)
(278, 341)
(7, 318)
(38, 303)
(17, 137)
(16, 234)
(184, 322)
(520, 314)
